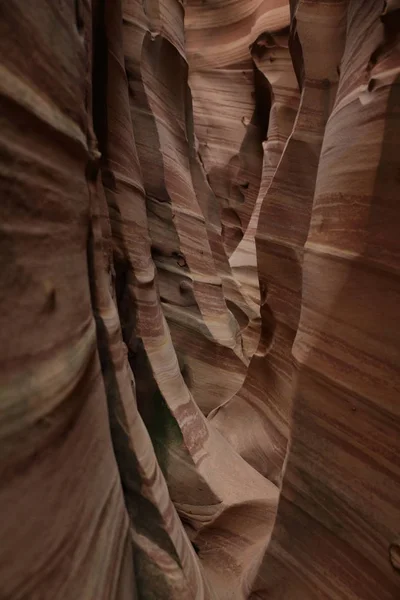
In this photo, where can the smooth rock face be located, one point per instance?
(200, 300)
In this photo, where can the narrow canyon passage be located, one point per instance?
(200, 300)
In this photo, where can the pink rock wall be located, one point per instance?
(199, 293)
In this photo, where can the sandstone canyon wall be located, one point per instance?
(200, 300)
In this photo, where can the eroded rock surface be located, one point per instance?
(200, 300)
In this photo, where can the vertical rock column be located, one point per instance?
(64, 527)
(265, 397)
(205, 333)
(336, 535)
(164, 561)
(271, 56)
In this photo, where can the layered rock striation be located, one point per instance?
(200, 300)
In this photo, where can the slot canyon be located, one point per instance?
(200, 300)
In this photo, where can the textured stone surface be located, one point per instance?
(200, 300)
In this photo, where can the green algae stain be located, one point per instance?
(164, 431)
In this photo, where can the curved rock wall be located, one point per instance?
(337, 525)
(200, 340)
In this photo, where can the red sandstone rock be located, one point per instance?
(200, 344)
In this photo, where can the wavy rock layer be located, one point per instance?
(200, 292)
